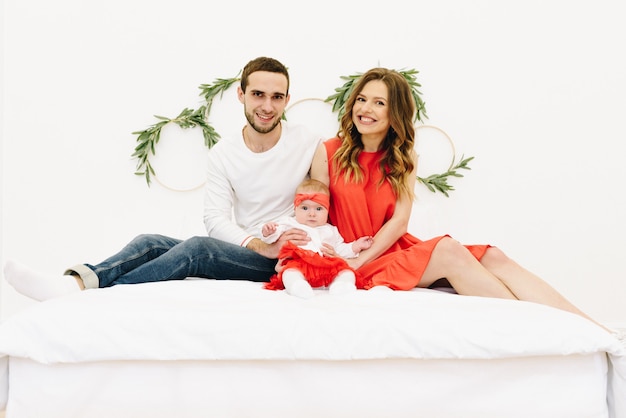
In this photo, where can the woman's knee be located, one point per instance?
(452, 257)
(448, 259)
(494, 257)
(450, 249)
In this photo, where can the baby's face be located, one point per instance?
(311, 213)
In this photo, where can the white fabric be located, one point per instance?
(239, 320)
(4, 381)
(327, 233)
(538, 387)
(254, 187)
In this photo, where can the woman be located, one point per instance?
(370, 168)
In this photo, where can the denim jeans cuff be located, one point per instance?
(88, 276)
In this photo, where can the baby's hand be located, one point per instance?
(328, 250)
(269, 228)
(362, 243)
(279, 265)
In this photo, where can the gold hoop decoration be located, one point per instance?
(148, 138)
(445, 135)
(439, 182)
(307, 99)
(180, 164)
(173, 189)
(312, 108)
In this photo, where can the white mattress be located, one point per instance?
(540, 387)
(224, 322)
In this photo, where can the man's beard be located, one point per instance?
(250, 118)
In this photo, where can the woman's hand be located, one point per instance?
(355, 263)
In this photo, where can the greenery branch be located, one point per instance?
(342, 93)
(439, 182)
(149, 138)
(434, 182)
(219, 86)
(189, 118)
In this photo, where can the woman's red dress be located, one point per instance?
(360, 209)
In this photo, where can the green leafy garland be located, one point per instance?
(343, 92)
(434, 182)
(190, 118)
(148, 138)
(439, 182)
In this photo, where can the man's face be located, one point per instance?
(264, 100)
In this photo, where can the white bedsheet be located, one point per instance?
(238, 320)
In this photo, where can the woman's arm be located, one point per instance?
(319, 166)
(393, 229)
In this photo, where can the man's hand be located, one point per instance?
(296, 236)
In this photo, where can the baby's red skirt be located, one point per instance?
(319, 271)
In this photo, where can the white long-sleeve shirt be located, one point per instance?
(327, 233)
(244, 189)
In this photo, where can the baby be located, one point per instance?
(306, 267)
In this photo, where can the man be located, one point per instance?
(252, 174)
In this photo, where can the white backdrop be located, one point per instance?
(534, 90)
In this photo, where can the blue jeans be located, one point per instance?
(153, 258)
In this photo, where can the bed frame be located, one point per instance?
(198, 348)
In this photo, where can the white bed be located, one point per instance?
(208, 348)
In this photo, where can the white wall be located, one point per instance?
(534, 90)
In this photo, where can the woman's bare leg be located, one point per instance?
(496, 275)
(467, 276)
(526, 285)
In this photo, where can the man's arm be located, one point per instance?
(219, 201)
(296, 236)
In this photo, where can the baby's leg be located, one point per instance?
(296, 284)
(343, 283)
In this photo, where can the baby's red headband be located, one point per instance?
(321, 198)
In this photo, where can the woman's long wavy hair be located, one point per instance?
(397, 162)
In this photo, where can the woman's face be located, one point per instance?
(370, 113)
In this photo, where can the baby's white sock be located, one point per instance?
(343, 283)
(296, 284)
(38, 286)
